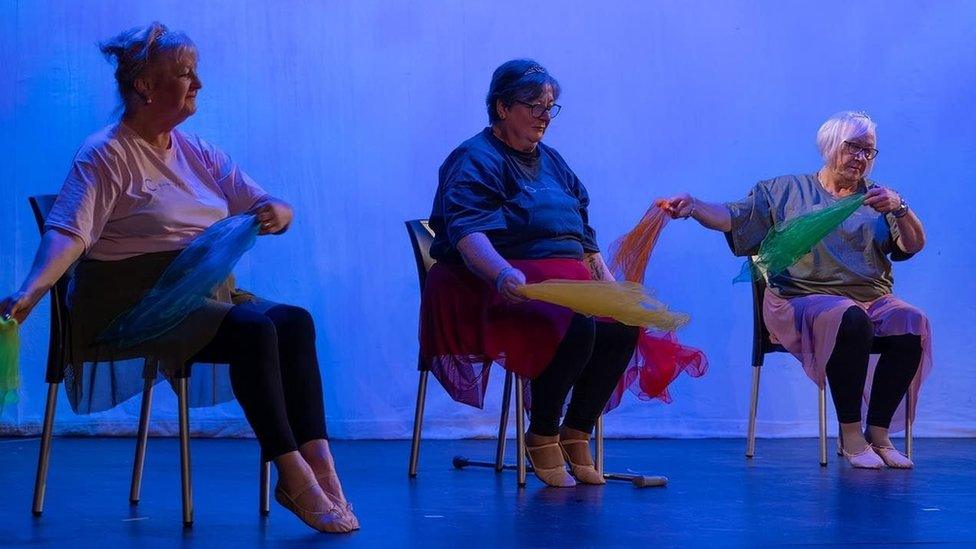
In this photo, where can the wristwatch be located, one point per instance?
(901, 210)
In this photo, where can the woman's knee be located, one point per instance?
(290, 321)
(254, 333)
(914, 317)
(581, 332)
(855, 325)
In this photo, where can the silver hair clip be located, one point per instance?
(534, 69)
(862, 114)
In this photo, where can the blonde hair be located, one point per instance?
(843, 126)
(138, 49)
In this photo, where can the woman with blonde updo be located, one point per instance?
(137, 193)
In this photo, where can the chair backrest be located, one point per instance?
(761, 345)
(41, 206)
(421, 237)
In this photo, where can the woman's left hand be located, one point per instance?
(882, 199)
(274, 216)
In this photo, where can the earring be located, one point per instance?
(148, 100)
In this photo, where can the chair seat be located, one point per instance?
(775, 348)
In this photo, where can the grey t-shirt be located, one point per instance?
(851, 261)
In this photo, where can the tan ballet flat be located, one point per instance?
(333, 521)
(343, 505)
(587, 474)
(552, 476)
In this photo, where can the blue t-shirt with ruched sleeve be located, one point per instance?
(529, 205)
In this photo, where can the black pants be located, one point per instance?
(274, 373)
(589, 360)
(847, 369)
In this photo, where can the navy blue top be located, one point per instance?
(529, 205)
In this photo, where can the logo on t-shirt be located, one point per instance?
(152, 186)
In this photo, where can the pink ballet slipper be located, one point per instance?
(892, 457)
(865, 459)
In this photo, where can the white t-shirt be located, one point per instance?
(124, 197)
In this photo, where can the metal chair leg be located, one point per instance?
(264, 496)
(840, 441)
(598, 462)
(142, 439)
(909, 403)
(44, 457)
(503, 422)
(640, 481)
(822, 400)
(187, 491)
(753, 405)
(520, 431)
(418, 420)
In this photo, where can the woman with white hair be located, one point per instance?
(835, 305)
(137, 193)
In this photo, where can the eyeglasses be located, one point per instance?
(539, 109)
(856, 150)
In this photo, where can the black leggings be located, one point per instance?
(274, 373)
(847, 369)
(589, 360)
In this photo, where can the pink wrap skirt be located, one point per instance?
(807, 327)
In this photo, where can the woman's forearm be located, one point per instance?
(481, 257)
(712, 215)
(911, 234)
(57, 251)
(708, 214)
(598, 267)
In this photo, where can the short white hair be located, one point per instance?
(843, 126)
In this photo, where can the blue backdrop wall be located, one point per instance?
(346, 109)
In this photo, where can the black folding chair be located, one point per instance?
(57, 348)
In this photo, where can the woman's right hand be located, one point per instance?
(678, 207)
(18, 305)
(58, 250)
(509, 282)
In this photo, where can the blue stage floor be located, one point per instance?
(715, 497)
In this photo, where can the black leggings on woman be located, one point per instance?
(590, 360)
(274, 373)
(847, 369)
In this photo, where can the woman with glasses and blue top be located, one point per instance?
(509, 211)
(834, 305)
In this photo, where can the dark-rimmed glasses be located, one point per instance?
(539, 109)
(854, 149)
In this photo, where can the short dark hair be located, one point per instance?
(518, 80)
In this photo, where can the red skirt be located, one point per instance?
(465, 326)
